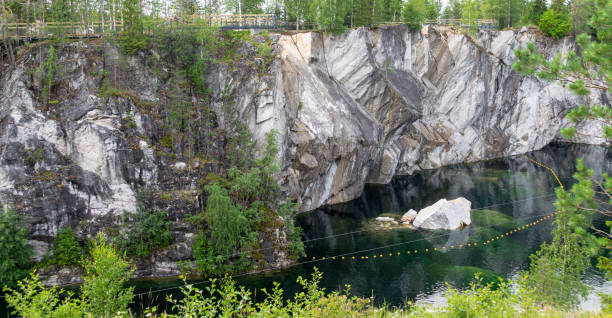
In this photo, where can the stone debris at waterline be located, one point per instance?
(385, 219)
(409, 216)
(445, 215)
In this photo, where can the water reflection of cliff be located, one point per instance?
(513, 186)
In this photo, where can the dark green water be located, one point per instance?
(513, 186)
(518, 189)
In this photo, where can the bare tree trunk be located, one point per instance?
(87, 17)
(509, 13)
(121, 14)
(27, 32)
(43, 9)
(72, 17)
(574, 14)
(352, 13)
(113, 16)
(82, 16)
(102, 13)
(181, 11)
(7, 42)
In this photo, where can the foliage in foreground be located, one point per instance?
(102, 294)
(223, 298)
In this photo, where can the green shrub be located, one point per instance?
(264, 50)
(294, 232)
(15, 251)
(47, 73)
(241, 206)
(231, 231)
(555, 24)
(188, 50)
(203, 251)
(32, 299)
(166, 141)
(35, 156)
(103, 291)
(67, 250)
(106, 273)
(144, 231)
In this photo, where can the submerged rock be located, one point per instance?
(386, 219)
(444, 214)
(409, 216)
(486, 217)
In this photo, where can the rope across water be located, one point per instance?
(356, 255)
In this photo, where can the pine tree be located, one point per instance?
(67, 249)
(453, 10)
(413, 14)
(556, 273)
(132, 37)
(432, 9)
(535, 10)
(15, 251)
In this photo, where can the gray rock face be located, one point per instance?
(417, 101)
(445, 215)
(88, 157)
(349, 109)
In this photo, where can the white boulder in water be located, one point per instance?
(409, 216)
(445, 214)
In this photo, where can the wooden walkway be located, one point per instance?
(42, 30)
(465, 23)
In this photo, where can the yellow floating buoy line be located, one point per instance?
(547, 168)
(452, 247)
(368, 255)
(354, 256)
(360, 255)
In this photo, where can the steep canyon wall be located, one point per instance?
(350, 109)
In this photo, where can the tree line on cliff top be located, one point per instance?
(334, 15)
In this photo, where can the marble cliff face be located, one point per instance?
(367, 105)
(350, 109)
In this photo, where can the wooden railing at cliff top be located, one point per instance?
(491, 23)
(43, 29)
